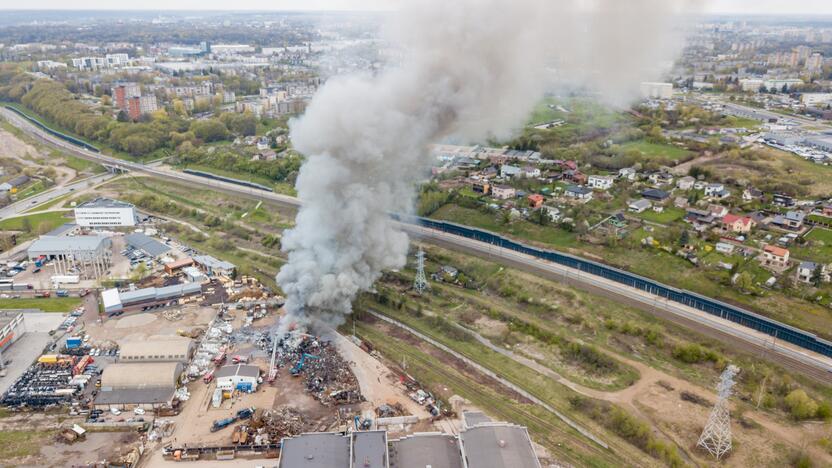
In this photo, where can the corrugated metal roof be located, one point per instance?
(141, 375)
(499, 445)
(323, 450)
(237, 369)
(146, 244)
(61, 244)
(163, 347)
(139, 295)
(434, 450)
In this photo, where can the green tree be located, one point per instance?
(801, 405)
(209, 130)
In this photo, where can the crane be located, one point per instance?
(273, 364)
(299, 366)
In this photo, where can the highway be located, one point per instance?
(811, 364)
(18, 208)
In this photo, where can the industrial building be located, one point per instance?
(238, 377)
(11, 328)
(485, 444)
(144, 385)
(148, 245)
(148, 298)
(657, 90)
(212, 266)
(161, 349)
(90, 255)
(104, 212)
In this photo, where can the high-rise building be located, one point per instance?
(138, 105)
(814, 64)
(124, 92)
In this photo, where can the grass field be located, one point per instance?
(49, 304)
(22, 443)
(550, 235)
(667, 216)
(279, 187)
(31, 190)
(667, 153)
(819, 247)
(40, 222)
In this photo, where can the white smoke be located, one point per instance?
(472, 69)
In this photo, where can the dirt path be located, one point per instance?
(29, 156)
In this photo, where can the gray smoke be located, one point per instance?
(472, 69)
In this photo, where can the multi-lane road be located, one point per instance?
(808, 363)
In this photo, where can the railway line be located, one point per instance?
(788, 346)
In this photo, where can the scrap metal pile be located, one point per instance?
(328, 377)
(271, 426)
(211, 350)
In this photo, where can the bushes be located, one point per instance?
(801, 405)
(209, 130)
(692, 353)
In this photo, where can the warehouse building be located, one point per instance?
(91, 255)
(148, 298)
(488, 444)
(104, 212)
(212, 266)
(238, 377)
(11, 328)
(159, 349)
(143, 385)
(151, 247)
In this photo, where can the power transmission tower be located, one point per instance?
(716, 437)
(420, 284)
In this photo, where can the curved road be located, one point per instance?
(811, 364)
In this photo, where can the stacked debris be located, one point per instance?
(390, 410)
(328, 377)
(172, 315)
(213, 344)
(273, 425)
(161, 428)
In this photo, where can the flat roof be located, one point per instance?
(369, 449)
(421, 450)
(62, 229)
(473, 418)
(102, 202)
(498, 445)
(130, 396)
(61, 244)
(211, 262)
(238, 369)
(150, 246)
(110, 298)
(320, 450)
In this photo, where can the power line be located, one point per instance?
(716, 437)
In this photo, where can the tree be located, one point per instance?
(745, 281)
(801, 406)
(105, 100)
(817, 275)
(122, 116)
(26, 225)
(209, 130)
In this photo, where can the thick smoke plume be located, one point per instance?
(471, 69)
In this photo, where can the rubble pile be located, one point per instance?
(172, 315)
(213, 344)
(388, 410)
(328, 377)
(271, 426)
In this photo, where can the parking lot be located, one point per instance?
(27, 348)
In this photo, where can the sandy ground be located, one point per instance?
(142, 325)
(27, 155)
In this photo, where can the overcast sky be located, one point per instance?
(714, 6)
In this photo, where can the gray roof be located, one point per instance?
(473, 418)
(212, 263)
(578, 189)
(238, 369)
(64, 244)
(135, 396)
(421, 450)
(369, 449)
(498, 445)
(62, 229)
(322, 450)
(142, 242)
(18, 181)
(105, 203)
(158, 294)
(808, 266)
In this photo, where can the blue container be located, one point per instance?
(244, 387)
(72, 343)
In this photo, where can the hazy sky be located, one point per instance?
(714, 6)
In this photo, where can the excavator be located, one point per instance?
(299, 366)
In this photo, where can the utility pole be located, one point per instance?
(420, 284)
(716, 437)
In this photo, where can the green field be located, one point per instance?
(279, 187)
(667, 216)
(22, 443)
(31, 190)
(819, 247)
(49, 304)
(657, 151)
(40, 222)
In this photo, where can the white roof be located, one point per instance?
(110, 298)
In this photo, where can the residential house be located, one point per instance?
(579, 193)
(783, 200)
(481, 186)
(806, 272)
(685, 183)
(774, 257)
(661, 179)
(655, 195)
(531, 172)
(639, 206)
(792, 220)
(627, 173)
(508, 171)
(13, 185)
(700, 219)
(716, 191)
(599, 182)
(718, 211)
(737, 224)
(680, 202)
(751, 193)
(535, 200)
(826, 210)
(503, 192)
(575, 176)
(552, 212)
(725, 248)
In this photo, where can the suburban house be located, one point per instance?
(792, 220)
(552, 212)
(783, 200)
(685, 183)
(575, 175)
(774, 257)
(806, 272)
(655, 195)
(503, 192)
(716, 191)
(639, 206)
(737, 224)
(579, 193)
(725, 248)
(481, 186)
(680, 202)
(700, 219)
(599, 182)
(661, 178)
(627, 173)
(531, 172)
(535, 200)
(509, 171)
(718, 211)
(751, 194)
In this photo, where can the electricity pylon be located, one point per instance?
(716, 437)
(420, 284)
